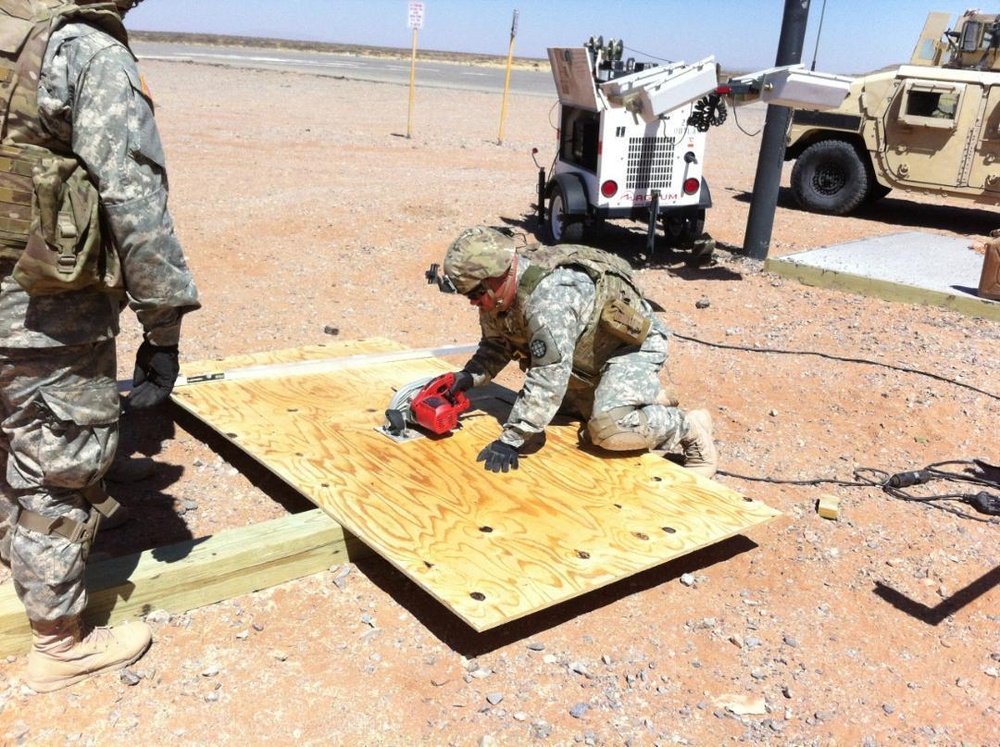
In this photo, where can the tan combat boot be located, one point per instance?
(700, 455)
(61, 655)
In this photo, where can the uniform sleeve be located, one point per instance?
(492, 355)
(557, 313)
(115, 135)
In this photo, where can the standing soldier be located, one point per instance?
(587, 340)
(84, 231)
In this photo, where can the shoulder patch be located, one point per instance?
(543, 349)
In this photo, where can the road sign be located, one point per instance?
(416, 16)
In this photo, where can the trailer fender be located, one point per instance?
(574, 193)
(705, 197)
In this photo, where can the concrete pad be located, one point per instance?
(908, 267)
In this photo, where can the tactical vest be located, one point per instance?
(49, 208)
(619, 320)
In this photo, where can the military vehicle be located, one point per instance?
(931, 126)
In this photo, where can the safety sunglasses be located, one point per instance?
(476, 293)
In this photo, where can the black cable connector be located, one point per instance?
(985, 503)
(906, 479)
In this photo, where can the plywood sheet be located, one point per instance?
(491, 547)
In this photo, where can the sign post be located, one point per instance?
(506, 83)
(415, 21)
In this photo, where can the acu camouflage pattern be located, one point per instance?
(60, 404)
(59, 436)
(555, 309)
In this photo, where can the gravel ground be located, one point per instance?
(305, 210)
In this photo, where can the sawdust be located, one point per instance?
(305, 210)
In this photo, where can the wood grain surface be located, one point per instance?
(491, 547)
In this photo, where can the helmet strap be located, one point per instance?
(505, 292)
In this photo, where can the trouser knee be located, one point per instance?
(621, 429)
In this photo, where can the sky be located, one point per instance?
(842, 36)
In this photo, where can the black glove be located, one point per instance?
(499, 457)
(156, 370)
(463, 382)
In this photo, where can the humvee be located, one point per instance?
(931, 126)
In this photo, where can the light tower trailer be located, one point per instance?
(627, 148)
(631, 137)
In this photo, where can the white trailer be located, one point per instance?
(626, 149)
(632, 137)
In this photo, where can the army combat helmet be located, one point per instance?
(478, 253)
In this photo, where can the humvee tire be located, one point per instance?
(830, 176)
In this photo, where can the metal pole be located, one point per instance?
(413, 78)
(506, 83)
(767, 180)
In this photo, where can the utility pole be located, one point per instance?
(767, 180)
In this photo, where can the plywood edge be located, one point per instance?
(198, 572)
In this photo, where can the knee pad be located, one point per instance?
(621, 429)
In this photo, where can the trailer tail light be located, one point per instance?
(609, 188)
(691, 185)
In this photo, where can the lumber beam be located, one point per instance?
(198, 572)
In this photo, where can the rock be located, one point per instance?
(541, 729)
(128, 677)
(158, 617)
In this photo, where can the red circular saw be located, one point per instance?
(428, 403)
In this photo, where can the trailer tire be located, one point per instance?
(563, 228)
(831, 177)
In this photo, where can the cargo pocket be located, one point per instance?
(79, 432)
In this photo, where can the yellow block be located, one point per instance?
(829, 506)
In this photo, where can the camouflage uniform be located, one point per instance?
(542, 329)
(58, 393)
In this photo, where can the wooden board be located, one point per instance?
(491, 547)
(196, 572)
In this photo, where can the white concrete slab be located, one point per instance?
(911, 266)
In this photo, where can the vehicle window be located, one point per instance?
(929, 105)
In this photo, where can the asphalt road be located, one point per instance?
(430, 74)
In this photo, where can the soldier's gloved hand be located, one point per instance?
(156, 369)
(499, 457)
(463, 382)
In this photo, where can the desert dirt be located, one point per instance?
(307, 215)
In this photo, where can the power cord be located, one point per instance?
(894, 484)
(846, 359)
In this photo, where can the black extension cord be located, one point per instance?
(984, 502)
